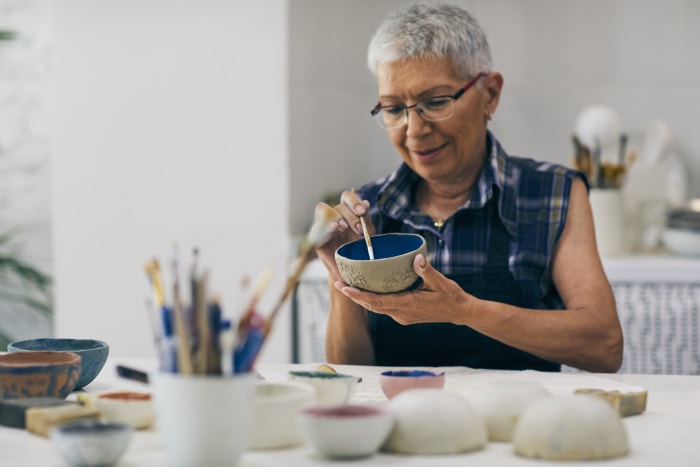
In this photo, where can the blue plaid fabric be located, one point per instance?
(530, 197)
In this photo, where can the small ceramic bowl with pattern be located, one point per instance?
(93, 353)
(38, 374)
(390, 271)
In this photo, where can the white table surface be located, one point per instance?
(666, 434)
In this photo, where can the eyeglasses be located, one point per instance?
(433, 109)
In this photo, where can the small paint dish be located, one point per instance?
(394, 382)
(330, 388)
(349, 431)
(91, 443)
(133, 408)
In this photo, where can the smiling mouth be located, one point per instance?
(429, 152)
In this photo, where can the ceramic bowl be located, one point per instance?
(38, 374)
(392, 269)
(347, 431)
(570, 427)
(91, 443)
(277, 407)
(133, 408)
(92, 352)
(330, 388)
(502, 402)
(394, 382)
(432, 421)
(682, 241)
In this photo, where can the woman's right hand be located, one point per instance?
(347, 228)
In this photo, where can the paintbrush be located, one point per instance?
(254, 339)
(260, 286)
(368, 241)
(184, 357)
(317, 235)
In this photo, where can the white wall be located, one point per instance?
(169, 125)
(220, 124)
(639, 57)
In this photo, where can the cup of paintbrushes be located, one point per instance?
(203, 419)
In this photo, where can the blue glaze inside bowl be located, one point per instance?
(384, 246)
(411, 373)
(92, 352)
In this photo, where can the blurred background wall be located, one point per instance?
(220, 124)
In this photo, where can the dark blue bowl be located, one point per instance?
(92, 352)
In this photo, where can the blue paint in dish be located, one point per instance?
(412, 373)
(384, 246)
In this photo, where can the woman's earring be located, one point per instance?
(488, 116)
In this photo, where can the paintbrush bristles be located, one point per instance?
(318, 234)
(152, 269)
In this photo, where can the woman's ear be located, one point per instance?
(493, 83)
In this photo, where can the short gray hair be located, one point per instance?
(432, 30)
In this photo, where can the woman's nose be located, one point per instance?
(416, 125)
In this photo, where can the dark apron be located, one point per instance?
(446, 344)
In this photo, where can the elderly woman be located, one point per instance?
(513, 279)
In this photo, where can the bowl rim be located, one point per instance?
(84, 426)
(411, 374)
(18, 345)
(298, 392)
(379, 260)
(66, 358)
(320, 375)
(350, 411)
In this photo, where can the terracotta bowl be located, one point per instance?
(92, 352)
(38, 374)
(394, 382)
(346, 431)
(390, 271)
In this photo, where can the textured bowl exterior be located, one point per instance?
(90, 442)
(392, 269)
(395, 382)
(38, 374)
(93, 353)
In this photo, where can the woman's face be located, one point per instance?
(449, 151)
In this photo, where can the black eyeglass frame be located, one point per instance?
(377, 108)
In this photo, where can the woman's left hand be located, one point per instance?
(436, 299)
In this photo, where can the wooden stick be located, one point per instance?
(368, 240)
